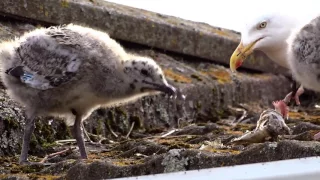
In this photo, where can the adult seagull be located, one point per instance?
(268, 33)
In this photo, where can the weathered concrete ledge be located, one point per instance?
(140, 26)
(184, 160)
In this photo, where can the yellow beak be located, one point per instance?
(240, 54)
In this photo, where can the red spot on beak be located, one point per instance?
(239, 63)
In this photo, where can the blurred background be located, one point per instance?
(230, 14)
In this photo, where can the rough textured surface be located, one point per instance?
(193, 147)
(181, 160)
(11, 119)
(140, 26)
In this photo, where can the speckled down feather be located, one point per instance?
(60, 66)
(304, 54)
(52, 70)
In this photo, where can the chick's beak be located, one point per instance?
(168, 89)
(240, 54)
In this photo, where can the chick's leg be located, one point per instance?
(28, 130)
(78, 136)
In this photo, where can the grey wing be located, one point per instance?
(49, 61)
(64, 36)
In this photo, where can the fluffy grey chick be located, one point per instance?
(304, 55)
(70, 71)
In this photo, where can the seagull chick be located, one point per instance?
(69, 71)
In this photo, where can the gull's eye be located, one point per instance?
(262, 25)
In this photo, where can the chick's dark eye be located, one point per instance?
(144, 72)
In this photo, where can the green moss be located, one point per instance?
(45, 132)
(198, 105)
(137, 120)
(99, 128)
(121, 112)
(46, 177)
(49, 145)
(44, 136)
(221, 113)
(33, 141)
(111, 118)
(64, 4)
(11, 123)
(30, 169)
(64, 132)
